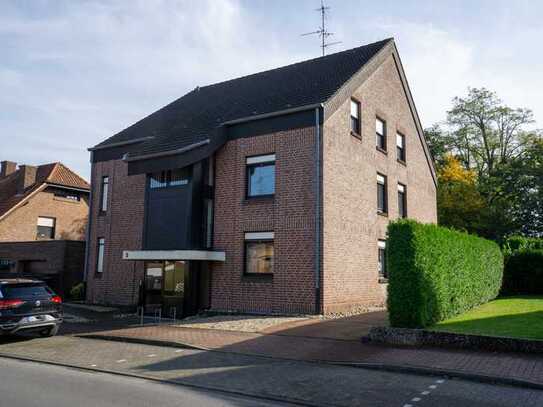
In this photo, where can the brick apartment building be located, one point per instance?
(269, 193)
(43, 219)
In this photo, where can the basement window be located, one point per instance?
(381, 260)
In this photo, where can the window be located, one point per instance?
(72, 196)
(100, 255)
(6, 264)
(105, 193)
(402, 200)
(46, 228)
(208, 223)
(261, 175)
(381, 135)
(382, 204)
(259, 253)
(355, 117)
(381, 259)
(400, 147)
(169, 178)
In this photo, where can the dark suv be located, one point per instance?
(29, 305)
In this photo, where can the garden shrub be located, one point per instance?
(518, 243)
(77, 293)
(436, 273)
(523, 272)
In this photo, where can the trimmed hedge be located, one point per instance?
(436, 273)
(523, 273)
(518, 243)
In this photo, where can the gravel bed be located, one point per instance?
(241, 323)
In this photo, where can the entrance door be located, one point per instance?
(173, 289)
(165, 288)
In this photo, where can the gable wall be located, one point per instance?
(21, 224)
(351, 225)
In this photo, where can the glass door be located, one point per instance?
(173, 291)
(154, 276)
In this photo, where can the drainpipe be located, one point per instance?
(317, 210)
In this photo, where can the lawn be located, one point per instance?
(515, 317)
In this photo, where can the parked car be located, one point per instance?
(29, 305)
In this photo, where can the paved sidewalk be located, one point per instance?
(285, 344)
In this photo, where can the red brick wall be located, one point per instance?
(290, 214)
(351, 225)
(122, 228)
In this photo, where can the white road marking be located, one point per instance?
(121, 360)
(179, 351)
(425, 392)
(93, 365)
(152, 355)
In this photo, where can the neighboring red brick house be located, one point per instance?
(43, 219)
(268, 193)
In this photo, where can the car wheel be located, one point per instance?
(50, 331)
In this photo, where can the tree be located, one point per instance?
(499, 192)
(484, 133)
(459, 203)
(517, 187)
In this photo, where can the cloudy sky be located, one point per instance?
(72, 73)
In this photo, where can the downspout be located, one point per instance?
(88, 234)
(317, 211)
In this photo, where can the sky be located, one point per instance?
(73, 73)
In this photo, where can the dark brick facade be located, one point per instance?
(122, 228)
(60, 263)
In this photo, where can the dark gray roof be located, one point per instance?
(195, 116)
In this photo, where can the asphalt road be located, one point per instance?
(29, 384)
(34, 384)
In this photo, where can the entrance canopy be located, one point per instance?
(172, 255)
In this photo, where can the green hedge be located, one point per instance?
(518, 243)
(436, 273)
(523, 273)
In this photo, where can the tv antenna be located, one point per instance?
(322, 32)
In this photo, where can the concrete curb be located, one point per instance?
(216, 389)
(387, 367)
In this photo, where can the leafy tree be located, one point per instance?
(517, 187)
(459, 203)
(499, 193)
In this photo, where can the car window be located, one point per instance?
(24, 290)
